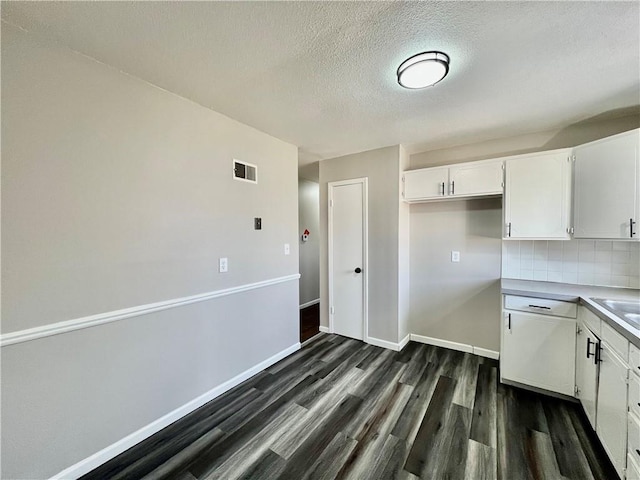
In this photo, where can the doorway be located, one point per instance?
(347, 247)
(309, 259)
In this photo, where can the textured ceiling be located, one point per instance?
(321, 75)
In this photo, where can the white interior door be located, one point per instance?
(347, 257)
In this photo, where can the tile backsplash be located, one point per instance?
(585, 262)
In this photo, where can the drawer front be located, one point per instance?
(541, 306)
(617, 342)
(634, 395)
(591, 320)
(633, 439)
(634, 358)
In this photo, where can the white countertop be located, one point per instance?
(582, 294)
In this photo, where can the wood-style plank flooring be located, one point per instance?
(340, 408)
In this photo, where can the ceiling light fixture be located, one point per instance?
(423, 70)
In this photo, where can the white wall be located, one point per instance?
(382, 169)
(577, 134)
(458, 302)
(404, 257)
(117, 194)
(309, 218)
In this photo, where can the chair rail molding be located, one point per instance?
(66, 326)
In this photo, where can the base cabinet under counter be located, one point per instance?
(612, 415)
(538, 349)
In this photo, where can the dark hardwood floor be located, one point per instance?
(309, 322)
(340, 408)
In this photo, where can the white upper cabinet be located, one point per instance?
(478, 178)
(538, 196)
(426, 183)
(473, 179)
(606, 188)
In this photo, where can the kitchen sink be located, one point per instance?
(627, 311)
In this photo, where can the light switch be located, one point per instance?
(223, 265)
(287, 249)
(455, 256)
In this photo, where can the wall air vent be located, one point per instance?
(245, 171)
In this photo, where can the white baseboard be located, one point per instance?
(308, 304)
(383, 343)
(324, 329)
(461, 347)
(404, 341)
(98, 458)
(483, 352)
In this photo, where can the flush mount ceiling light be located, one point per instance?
(423, 70)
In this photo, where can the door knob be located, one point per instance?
(358, 270)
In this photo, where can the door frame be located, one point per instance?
(365, 250)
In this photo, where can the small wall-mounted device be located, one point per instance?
(305, 235)
(223, 265)
(257, 223)
(245, 171)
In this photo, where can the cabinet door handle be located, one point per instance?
(539, 306)
(509, 229)
(509, 320)
(442, 188)
(589, 342)
(598, 356)
(631, 224)
(453, 187)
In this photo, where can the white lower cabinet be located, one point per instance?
(633, 471)
(587, 371)
(611, 417)
(594, 362)
(633, 452)
(539, 350)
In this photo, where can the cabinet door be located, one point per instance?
(426, 183)
(606, 187)
(539, 350)
(537, 196)
(611, 417)
(481, 179)
(633, 472)
(587, 371)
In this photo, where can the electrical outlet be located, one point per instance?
(287, 249)
(223, 265)
(455, 256)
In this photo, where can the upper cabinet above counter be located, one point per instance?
(606, 201)
(589, 191)
(473, 179)
(537, 199)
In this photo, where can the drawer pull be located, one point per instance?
(538, 306)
